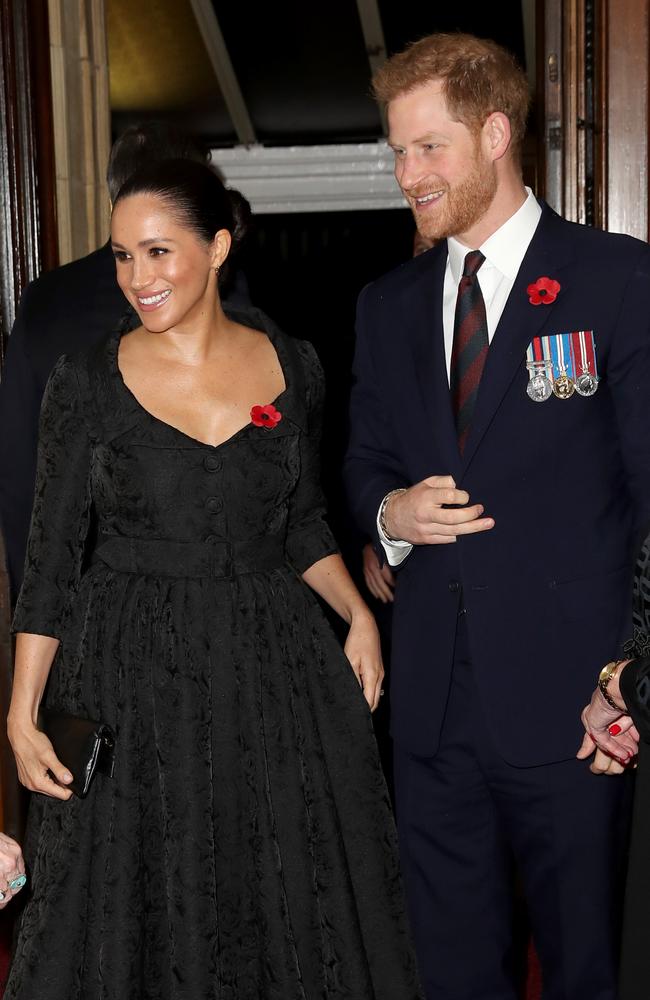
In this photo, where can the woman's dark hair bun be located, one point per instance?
(242, 216)
(197, 196)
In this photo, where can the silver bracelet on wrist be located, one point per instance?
(382, 513)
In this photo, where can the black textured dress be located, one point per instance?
(635, 688)
(244, 849)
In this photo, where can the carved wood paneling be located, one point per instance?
(628, 72)
(594, 69)
(572, 79)
(19, 244)
(81, 114)
(550, 76)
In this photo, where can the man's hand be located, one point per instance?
(379, 580)
(421, 516)
(604, 764)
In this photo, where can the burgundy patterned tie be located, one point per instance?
(470, 346)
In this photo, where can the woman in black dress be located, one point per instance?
(244, 849)
(617, 721)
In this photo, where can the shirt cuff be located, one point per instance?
(396, 550)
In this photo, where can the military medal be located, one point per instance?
(587, 381)
(561, 365)
(539, 386)
(563, 386)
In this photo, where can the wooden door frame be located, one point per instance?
(28, 243)
(593, 81)
(627, 49)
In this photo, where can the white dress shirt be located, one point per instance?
(504, 251)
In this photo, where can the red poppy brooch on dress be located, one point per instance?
(265, 416)
(543, 291)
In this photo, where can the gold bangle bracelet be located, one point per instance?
(604, 678)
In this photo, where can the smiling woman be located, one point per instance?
(170, 238)
(247, 793)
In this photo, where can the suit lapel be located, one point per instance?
(422, 302)
(520, 322)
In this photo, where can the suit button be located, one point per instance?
(214, 504)
(211, 463)
(212, 539)
(454, 586)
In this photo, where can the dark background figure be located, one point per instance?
(63, 311)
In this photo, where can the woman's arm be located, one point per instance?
(39, 769)
(330, 580)
(53, 568)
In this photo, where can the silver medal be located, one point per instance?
(586, 384)
(587, 380)
(539, 387)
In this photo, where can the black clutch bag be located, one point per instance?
(82, 745)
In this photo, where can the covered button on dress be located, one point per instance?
(244, 849)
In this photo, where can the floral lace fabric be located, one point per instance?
(244, 849)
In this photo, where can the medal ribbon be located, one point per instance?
(565, 355)
(588, 351)
(583, 351)
(550, 349)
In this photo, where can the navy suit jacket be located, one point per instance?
(62, 311)
(548, 589)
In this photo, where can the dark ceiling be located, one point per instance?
(302, 68)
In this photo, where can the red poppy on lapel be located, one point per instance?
(543, 291)
(265, 416)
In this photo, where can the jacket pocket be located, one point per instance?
(595, 596)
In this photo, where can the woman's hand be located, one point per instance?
(12, 867)
(380, 580)
(609, 729)
(331, 580)
(39, 768)
(363, 650)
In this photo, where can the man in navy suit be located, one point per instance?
(500, 453)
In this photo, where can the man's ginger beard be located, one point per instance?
(463, 204)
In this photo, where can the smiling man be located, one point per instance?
(500, 453)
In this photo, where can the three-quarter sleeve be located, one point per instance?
(60, 516)
(308, 535)
(635, 689)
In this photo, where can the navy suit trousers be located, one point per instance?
(468, 821)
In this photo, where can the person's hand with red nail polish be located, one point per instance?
(609, 729)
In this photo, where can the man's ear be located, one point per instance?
(496, 135)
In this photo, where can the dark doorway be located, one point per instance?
(306, 272)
